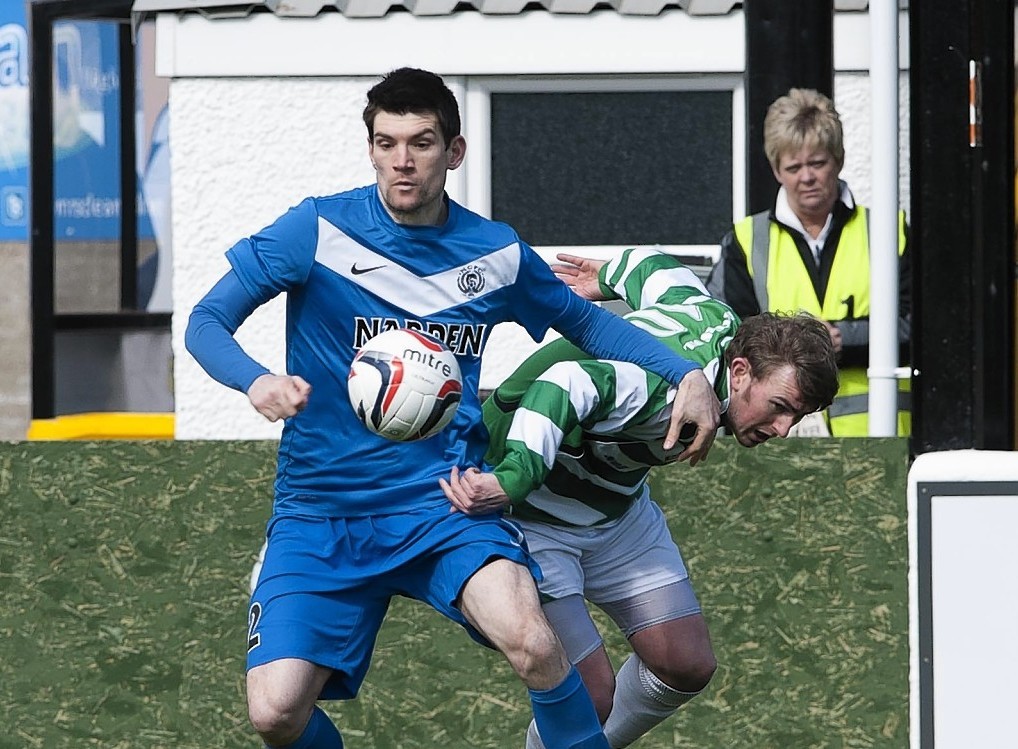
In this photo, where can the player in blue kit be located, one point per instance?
(358, 519)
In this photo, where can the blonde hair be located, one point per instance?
(803, 118)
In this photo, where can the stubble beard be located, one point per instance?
(415, 211)
(403, 211)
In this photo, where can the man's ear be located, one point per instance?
(457, 151)
(741, 372)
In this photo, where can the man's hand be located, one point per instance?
(473, 492)
(580, 274)
(835, 336)
(279, 396)
(695, 403)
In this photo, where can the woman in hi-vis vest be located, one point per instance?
(810, 252)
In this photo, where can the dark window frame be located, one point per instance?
(477, 180)
(46, 322)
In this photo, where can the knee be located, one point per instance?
(277, 720)
(691, 674)
(702, 671)
(536, 655)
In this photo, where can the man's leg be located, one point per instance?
(639, 579)
(641, 700)
(281, 698)
(672, 663)
(569, 618)
(500, 601)
(599, 678)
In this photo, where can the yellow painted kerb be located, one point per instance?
(103, 426)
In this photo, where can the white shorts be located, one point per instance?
(606, 563)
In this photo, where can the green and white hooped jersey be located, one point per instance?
(573, 438)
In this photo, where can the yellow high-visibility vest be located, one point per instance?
(782, 284)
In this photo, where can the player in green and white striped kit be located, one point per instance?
(572, 443)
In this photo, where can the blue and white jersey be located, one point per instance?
(350, 272)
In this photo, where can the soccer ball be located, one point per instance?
(405, 385)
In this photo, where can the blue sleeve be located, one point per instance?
(209, 335)
(274, 260)
(598, 332)
(604, 335)
(281, 255)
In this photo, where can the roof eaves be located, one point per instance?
(142, 9)
(378, 8)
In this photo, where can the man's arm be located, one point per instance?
(696, 402)
(644, 278)
(209, 339)
(604, 335)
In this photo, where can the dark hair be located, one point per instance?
(770, 340)
(410, 90)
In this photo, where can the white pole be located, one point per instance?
(884, 220)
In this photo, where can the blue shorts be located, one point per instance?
(326, 583)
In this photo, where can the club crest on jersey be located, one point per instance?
(471, 280)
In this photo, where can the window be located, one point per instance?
(607, 163)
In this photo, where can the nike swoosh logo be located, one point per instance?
(358, 271)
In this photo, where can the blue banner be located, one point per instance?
(13, 123)
(86, 134)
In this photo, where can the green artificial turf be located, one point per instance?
(123, 592)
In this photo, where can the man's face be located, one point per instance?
(810, 178)
(411, 160)
(759, 409)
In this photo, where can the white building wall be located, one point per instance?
(243, 152)
(244, 149)
(852, 97)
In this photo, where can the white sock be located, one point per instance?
(641, 702)
(533, 737)
(256, 569)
